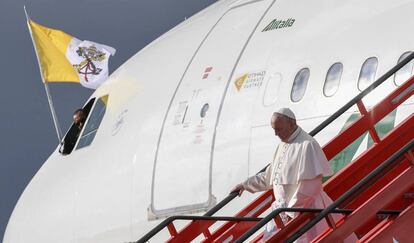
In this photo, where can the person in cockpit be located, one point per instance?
(68, 143)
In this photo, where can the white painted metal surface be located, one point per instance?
(149, 160)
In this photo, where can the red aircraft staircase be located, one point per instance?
(374, 194)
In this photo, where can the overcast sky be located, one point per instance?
(26, 126)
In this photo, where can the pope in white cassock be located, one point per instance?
(295, 175)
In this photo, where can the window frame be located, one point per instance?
(81, 134)
(87, 108)
(411, 62)
(294, 82)
(360, 73)
(337, 82)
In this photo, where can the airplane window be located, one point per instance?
(332, 79)
(299, 85)
(92, 124)
(204, 110)
(405, 72)
(367, 74)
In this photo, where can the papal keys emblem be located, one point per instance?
(87, 66)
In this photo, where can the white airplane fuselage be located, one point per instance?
(188, 117)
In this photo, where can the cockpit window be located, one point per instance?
(405, 72)
(367, 74)
(299, 85)
(94, 112)
(69, 141)
(92, 124)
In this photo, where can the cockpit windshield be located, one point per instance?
(94, 112)
(93, 123)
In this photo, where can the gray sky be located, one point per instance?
(26, 126)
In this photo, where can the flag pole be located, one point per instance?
(49, 96)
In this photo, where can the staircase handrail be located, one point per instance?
(331, 208)
(367, 179)
(171, 219)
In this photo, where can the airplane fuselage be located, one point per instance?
(188, 117)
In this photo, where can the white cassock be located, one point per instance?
(295, 175)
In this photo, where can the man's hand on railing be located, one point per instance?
(239, 188)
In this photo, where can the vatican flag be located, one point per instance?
(64, 58)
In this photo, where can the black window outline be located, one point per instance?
(361, 72)
(296, 80)
(67, 145)
(402, 57)
(337, 81)
(93, 132)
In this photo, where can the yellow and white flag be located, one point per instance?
(64, 58)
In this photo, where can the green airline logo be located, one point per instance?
(278, 24)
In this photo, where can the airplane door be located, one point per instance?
(183, 162)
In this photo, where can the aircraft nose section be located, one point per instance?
(45, 211)
(9, 232)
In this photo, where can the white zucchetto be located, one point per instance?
(286, 112)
